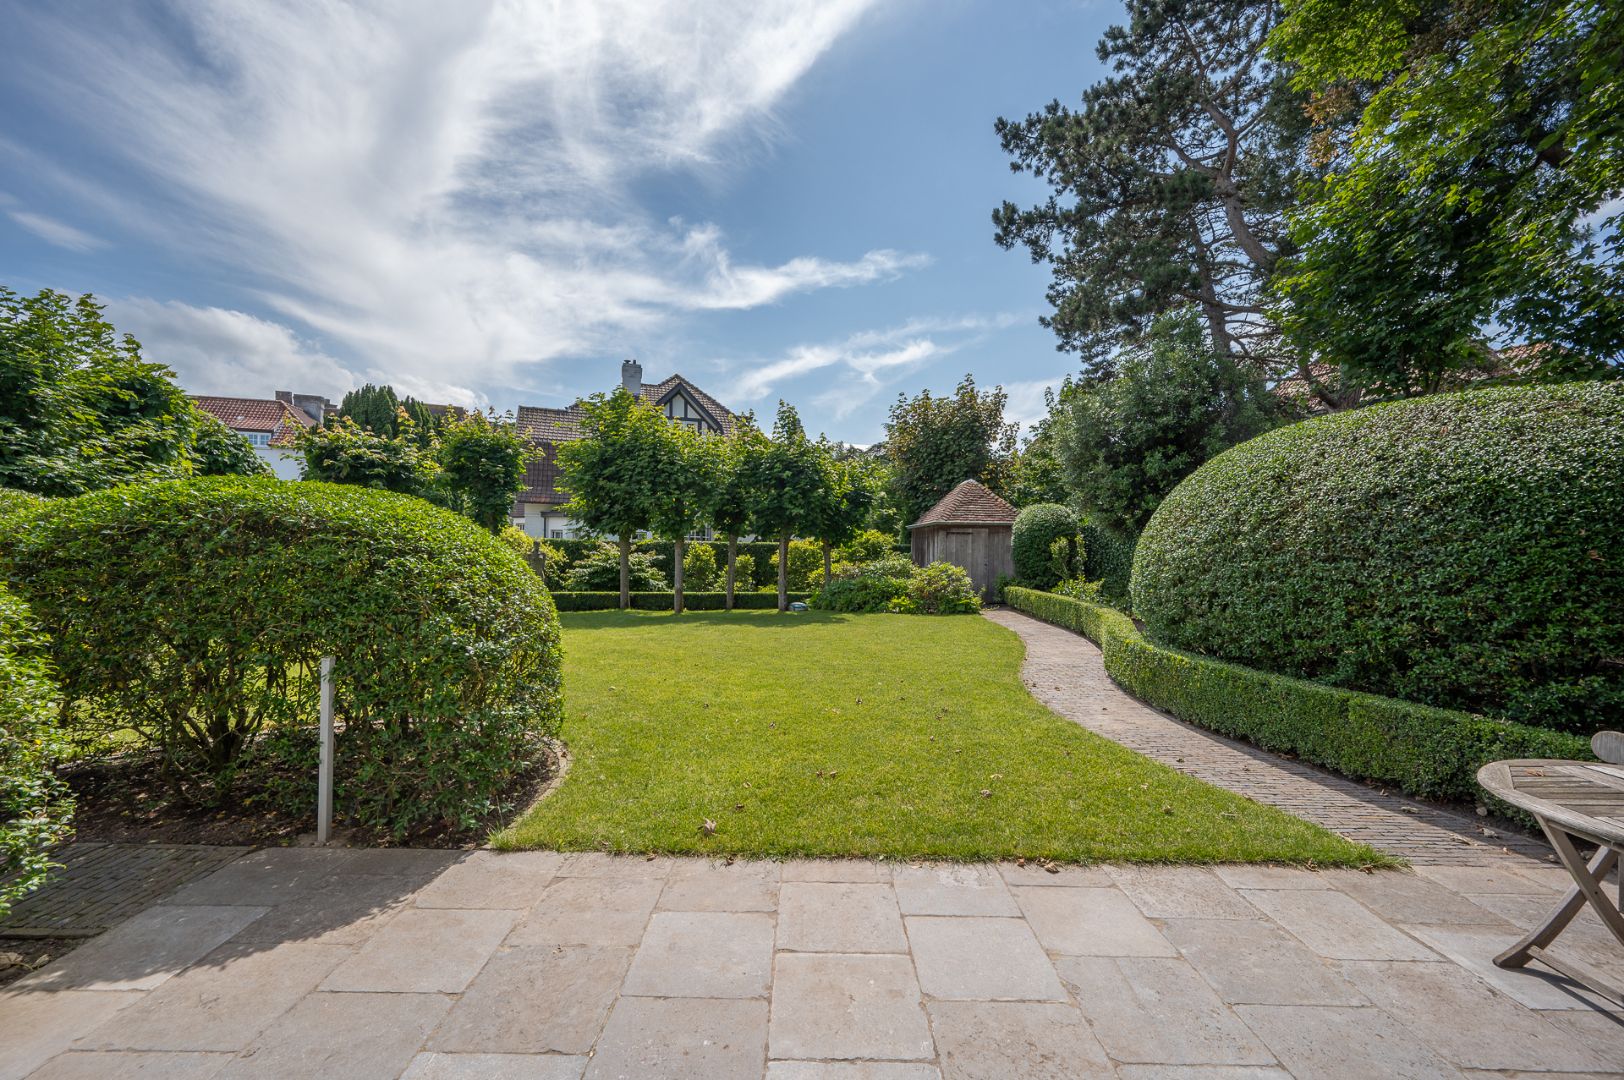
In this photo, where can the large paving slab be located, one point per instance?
(484, 966)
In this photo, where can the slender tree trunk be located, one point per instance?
(828, 549)
(732, 556)
(625, 571)
(676, 574)
(783, 573)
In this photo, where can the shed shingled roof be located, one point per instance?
(968, 504)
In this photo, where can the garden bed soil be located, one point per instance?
(124, 800)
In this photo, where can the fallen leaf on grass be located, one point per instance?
(708, 827)
(986, 793)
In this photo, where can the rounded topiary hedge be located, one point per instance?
(1036, 528)
(195, 613)
(1462, 550)
(35, 807)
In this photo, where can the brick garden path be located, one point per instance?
(1066, 672)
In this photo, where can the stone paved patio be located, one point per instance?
(434, 965)
(1066, 672)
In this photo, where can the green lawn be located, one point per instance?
(824, 734)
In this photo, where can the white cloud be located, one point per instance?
(445, 190)
(55, 232)
(1026, 405)
(867, 362)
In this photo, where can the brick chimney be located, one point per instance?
(631, 377)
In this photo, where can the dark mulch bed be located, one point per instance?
(123, 799)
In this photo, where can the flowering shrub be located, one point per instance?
(939, 589)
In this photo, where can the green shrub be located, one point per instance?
(940, 589)
(1420, 749)
(805, 565)
(699, 569)
(744, 572)
(661, 601)
(599, 570)
(659, 553)
(1081, 589)
(35, 807)
(871, 586)
(866, 546)
(1036, 529)
(517, 540)
(194, 613)
(1107, 558)
(1462, 550)
(12, 500)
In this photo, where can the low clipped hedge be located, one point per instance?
(35, 807)
(195, 612)
(1419, 749)
(662, 601)
(1461, 550)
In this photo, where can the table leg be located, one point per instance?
(1586, 888)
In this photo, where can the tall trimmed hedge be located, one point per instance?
(1036, 528)
(1420, 749)
(1107, 558)
(35, 807)
(195, 613)
(1463, 550)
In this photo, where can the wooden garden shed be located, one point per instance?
(971, 527)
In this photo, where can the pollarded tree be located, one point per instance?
(482, 460)
(690, 472)
(735, 501)
(843, 506)
(787, 478)
(612, 473)
(1170, 182)
(936, 443)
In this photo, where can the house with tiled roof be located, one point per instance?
(971, 527)
(539, 508)
(271, 425)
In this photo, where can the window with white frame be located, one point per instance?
(257, 438)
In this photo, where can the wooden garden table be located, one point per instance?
(1573, 801)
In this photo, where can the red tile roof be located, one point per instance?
(968, 504)
(549, 427)
(277, 418)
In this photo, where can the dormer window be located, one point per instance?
(680, 409)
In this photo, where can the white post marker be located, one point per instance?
(324, 779)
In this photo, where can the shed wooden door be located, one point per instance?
(962, 549)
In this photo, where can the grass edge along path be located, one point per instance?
(755, 734)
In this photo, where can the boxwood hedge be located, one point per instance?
(195, 612)
(35, 807)
(1420, 749)
(661, 601)
(1463, 550)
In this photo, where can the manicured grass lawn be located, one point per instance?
(823, 734)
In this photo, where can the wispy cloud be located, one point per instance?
(867, 362)
(55, 232)
(447, 191)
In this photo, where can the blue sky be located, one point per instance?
(493, 203)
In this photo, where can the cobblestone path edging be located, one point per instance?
(1066, 672)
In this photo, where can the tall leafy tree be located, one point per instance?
(843, 505)
(935, 443)
(79, 407)
(735, 500)
(1124, 442)
(612, 473)
(1170, 181)
(787, 478)
(482, 460)
(1035, 475)
(1475, 157)
(690, 471)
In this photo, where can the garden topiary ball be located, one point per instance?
(1036, 528)
(1462, 550)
